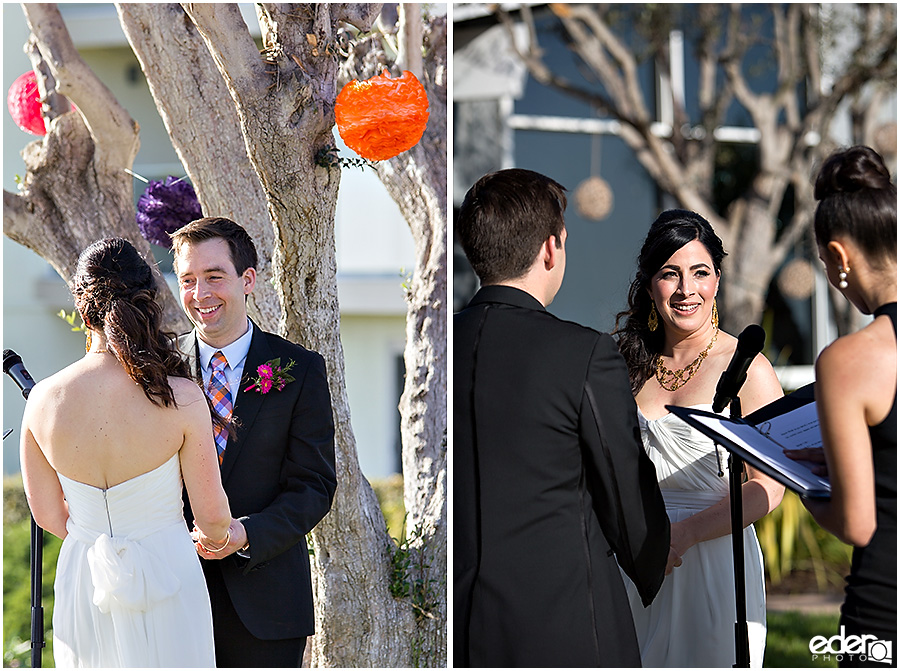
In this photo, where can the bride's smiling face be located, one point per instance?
(685, 288)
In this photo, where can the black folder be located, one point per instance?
(756, 448)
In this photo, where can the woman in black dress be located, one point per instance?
(856, 395)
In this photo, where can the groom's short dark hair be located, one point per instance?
(240, 244)
(505, 218)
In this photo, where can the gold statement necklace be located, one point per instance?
(670, 380)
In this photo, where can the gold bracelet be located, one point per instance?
(227, 541)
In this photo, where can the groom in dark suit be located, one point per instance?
(551, 485)
(276, 456)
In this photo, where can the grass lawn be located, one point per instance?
(787, 642)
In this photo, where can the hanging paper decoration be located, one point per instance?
(594, 198)
(797, 279)
(164, 207)
(886, 139)
(24, 104)
(382, 117)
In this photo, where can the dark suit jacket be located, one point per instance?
(279, 474)
(551, 485)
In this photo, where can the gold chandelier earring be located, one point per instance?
(653, 319)
(87, 344)
(715, 315)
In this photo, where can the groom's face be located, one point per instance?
(213, 295)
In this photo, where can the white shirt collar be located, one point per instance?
(234, 353)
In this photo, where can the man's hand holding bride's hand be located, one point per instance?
(208, 548)
(680, 541)
(673, 562)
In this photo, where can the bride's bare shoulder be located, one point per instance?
(186, 391)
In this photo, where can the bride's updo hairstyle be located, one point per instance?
(858, 200)
(671, 231)
(115, 293)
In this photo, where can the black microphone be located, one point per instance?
(749, 344)
(12, 366)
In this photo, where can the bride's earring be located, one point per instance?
(87, 344)
(842, 276)
(653, 320)
(715, 315)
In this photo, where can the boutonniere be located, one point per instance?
(271, 375)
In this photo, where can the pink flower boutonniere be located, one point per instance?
(271, 375)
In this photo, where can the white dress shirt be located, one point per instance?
(235, 354)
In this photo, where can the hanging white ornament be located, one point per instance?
(886, 139)
(797, 279)
(594, 198)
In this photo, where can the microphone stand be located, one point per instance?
(37, 610)
(736, 469)
(36, 559)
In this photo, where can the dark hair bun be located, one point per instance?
(851, 170)
(115, 292)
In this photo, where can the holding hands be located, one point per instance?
(674, 560)
(208, 548)
(678, 545)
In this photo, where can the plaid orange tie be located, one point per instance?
(220, 395)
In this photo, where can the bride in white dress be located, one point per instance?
(105, 445)
(675, 354)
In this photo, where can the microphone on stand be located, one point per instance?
(13, 366)
(749, 344)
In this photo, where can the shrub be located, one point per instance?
(17, 579)
(793, 542)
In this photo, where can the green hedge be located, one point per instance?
(792, 541)
(17, 579)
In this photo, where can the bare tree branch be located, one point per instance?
(684, 166)
(112, 129)
(410, 38)
(17, 217)
(231, 46)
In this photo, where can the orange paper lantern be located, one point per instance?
(382, 117)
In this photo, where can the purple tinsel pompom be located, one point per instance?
(164, 207)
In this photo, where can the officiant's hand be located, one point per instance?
(208, 549)
(816, 455)
(673, 562)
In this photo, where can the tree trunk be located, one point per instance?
(751, 262)
(286, 110)
(417, 181)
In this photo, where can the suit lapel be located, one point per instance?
(187, 345)
(246, 404)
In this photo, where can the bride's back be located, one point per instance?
(98, 427)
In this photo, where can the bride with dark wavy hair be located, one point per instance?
(107, 445)
(675, 354)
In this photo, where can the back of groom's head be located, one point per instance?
(505, 218)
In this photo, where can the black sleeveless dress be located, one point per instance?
(870, 606)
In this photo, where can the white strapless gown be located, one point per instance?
(691, 621)
(129, 588)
